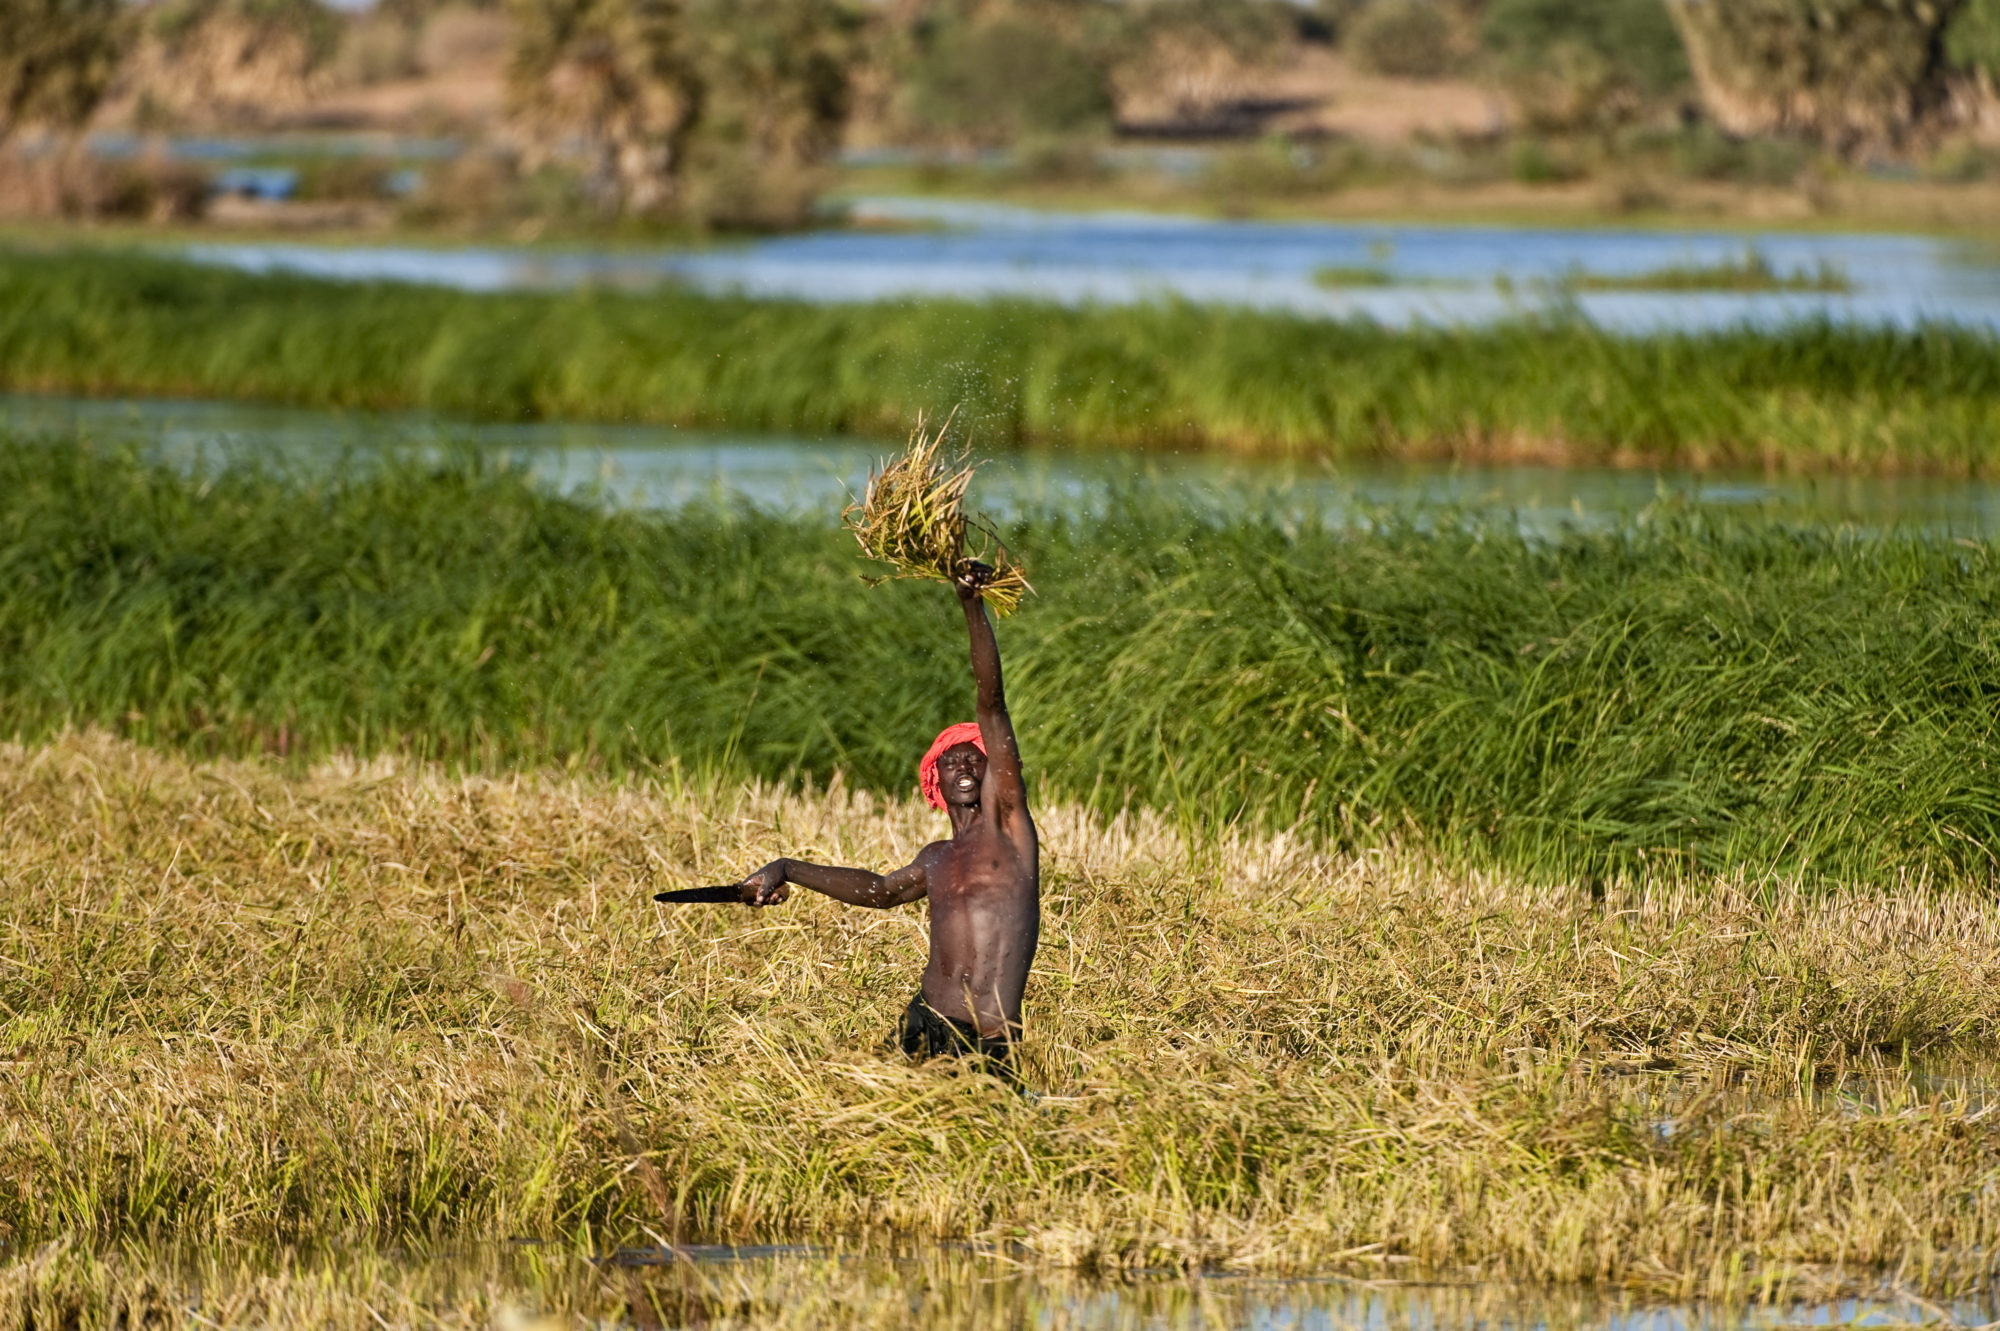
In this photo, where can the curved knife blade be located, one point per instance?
(728, 892)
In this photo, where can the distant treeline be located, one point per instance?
(1158, 375)
(726, 111)
(1682, 693)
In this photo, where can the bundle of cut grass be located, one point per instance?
(913, 519)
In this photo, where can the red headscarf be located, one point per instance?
(927, 776)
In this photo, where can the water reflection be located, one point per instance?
(1438, 274)
(945, 1289)
(662, 467)
(930, 1287)
(1961, 1085)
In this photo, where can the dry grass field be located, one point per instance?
(377, 1004)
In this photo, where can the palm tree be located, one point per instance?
(1853, 74)
(56, 59)
(610, 81)
(777, 90)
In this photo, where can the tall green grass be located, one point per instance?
(1816, 396)
(1682, 693)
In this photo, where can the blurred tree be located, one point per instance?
(56, 59)
(1334, 16)
(720, 111)
(227, 61)
(1972, 40)
(612, 82)
(1411, 39)
(1856, 75)
(992, 75)
(776, 93)
(1570, 63)
(380, 43)
(1182, 58)
(416, 13)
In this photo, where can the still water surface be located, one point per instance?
(657, 466)
(942, 1289)
(1435, 274)
(527, 1286)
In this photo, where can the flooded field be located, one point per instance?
(663, 467)
(1411, 273)
(946, 1288)
(382, 1033)
(926, 1289)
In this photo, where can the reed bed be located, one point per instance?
(1750, 271)
(1681, 694)
(1814, 397)
(376, 1003)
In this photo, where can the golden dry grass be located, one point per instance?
(913, 519)
(376, 1002)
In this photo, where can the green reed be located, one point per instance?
(1685, 692)
(1751, 271)
(1164, 374)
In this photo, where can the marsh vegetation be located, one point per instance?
(1337, 276)
(1688, 692)
(1752, 271)
(1422, 898)
(1806, 397)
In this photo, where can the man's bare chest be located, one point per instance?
(982, 865)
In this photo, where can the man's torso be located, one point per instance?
(985, 898)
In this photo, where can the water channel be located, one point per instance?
(662, 467)
(1416, 273)
(946, 1288)
(931, 1287)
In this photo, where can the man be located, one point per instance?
(984, 884)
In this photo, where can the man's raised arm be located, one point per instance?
(770, 885)
(996, 728)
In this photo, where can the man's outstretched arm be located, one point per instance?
(996, 727)
(770, 885)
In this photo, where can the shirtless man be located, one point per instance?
(984, 884)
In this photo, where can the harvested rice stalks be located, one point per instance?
(913, 519)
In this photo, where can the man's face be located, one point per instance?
(961, 769)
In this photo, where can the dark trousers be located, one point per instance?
(924, 1033)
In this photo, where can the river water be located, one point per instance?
(662, 467)
(535, 1287)
(940, 1289)
(1434, 274)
